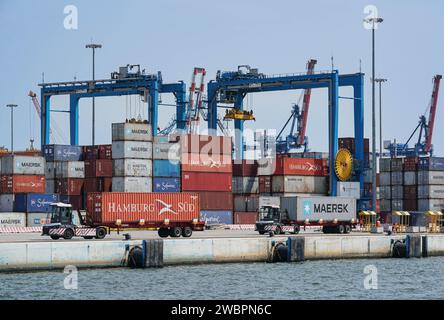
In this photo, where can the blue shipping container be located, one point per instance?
(432, 163)
(34, 202)
(166, 185)
(57, 152)
(166, 168)
(216, 217)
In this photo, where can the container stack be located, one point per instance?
(410, 183)
(385, 189)
(245, 191)
(166, 165)
(431, 184)
(20, 176)
(132, 153)
(207, 170)
(98, 168)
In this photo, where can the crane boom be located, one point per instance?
(433, 107)
(35, 102)
(305, 105)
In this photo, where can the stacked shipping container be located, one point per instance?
(206, 168)
(132, 153)
(166, 160)
(245, 191)
(98, 168)
(430, 184)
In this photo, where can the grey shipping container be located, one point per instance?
(269, 201)
(386, 205)
(384, 164)
(23, 165)
(12, 219)
(431, 192)
(132, 150)
(431, 177)
(396, 164)
(397, 192)
(132, 184)
(49, 185)
(397, 178)
(349, 189)
(397, 205)
(245, 185)
(368, 178)
(385, 178)
(300, 184)
(132, 168)
(6, 202)
(50, 170)
(385, 192)
(166, 151)
(410, 178)
(70, 169)
(317, 208)
(430, 204)
(246, 203)
(131, 132)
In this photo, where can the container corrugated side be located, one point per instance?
(245, 185)
(62, 152)
(430, 204)
(132, 168)
(300, 184)
(205, 144)
(244, 217)
(131, 132)
(166, 184)
(151, 207)
(7, 202)
(12, 219)
(431, 192)
(98, 168)
(246, 203)
(37, 219)
(410, 178)
(166, 151)
(23, 165)
(70, 169)
(203, 181)
(195, 162)
(132, 184)
(34, 202)
(132, 150)
(166, 168)
(214, 200)
(22, 184)
(216, 217)
(431, 177)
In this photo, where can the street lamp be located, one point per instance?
(380, 81)
(12, 106)
(93, 46)
(374, 22)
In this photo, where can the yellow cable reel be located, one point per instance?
(344, 164)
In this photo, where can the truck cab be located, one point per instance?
(66, 223)
(271, 219)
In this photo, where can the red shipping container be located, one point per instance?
(301, 166)
(98, 168)
(195, 162)
(410, 192)
(410, 204)
(265, 184)
(97, 185)
(90, 152)
(22, 184)
(411, 163)
(108, 207)
(368, 188)
(245, 217)
(248, 168)
(216, 200)
(349, 143)
(203, 181)
(105, 152)
(69, 186)
(76, 202)
(204, 144)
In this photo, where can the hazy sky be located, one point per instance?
(175, 36)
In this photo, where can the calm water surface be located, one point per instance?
(328, 279)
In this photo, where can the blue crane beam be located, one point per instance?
(239, 86)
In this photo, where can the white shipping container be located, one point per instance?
(246, 185)
(349, 189)
(132, 150)
(70, 169)
(431, 192)
(410, 178)
(6, 202)
(385, 178)
(37, 219)
(269, 201)
(166, 151)
(132, 184)
(430, 204)
(132, 168)
(12, 219)
(431, 177)
(131, 132)
(300, 184)
(25, 165)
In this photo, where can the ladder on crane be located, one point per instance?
(195, 100)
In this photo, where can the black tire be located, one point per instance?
(325, 230)
(55, 237)
(88, 238)
(278, 230)
(187, 232)
(175, 232)
(68, 234)
(347, 229)
(296, 229)
(100, 233)
(340, 229)
(163, 232)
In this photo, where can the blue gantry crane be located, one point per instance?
(233, 86)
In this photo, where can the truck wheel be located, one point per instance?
(187, 232)
(278, 230)
(100, 233)
(175, 232)
(68, 234)
(341, 229)
(326, 230)
(163, 232)
(347, 229)
(55, 237)
(296, 230)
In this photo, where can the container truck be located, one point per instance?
(173, 214)
(333, 214)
